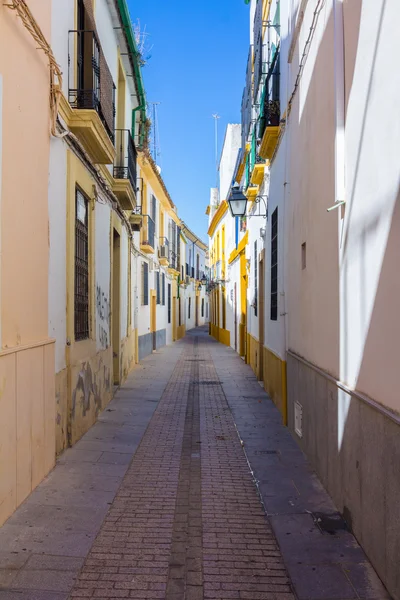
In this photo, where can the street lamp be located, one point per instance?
(237, 202)
(203, 281)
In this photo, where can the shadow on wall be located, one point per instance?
(354, 447)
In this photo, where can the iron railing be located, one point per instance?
(126, 157)
(90, 84)
(173, 260)
(164, 243)
(149, 232)
(270, 106)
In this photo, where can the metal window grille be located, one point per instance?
(255, 279)
(145, 284)
(158, 287)
(169, 303)
(189, 308)
(81, 294)
(274, 265)
(163, 289)
(202, 307)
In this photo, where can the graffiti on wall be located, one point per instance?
(103, 316)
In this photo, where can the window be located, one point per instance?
(81, 292)
(163, 288)
(189, 308)
(183, 274)
(255, 279)
(158, 287)
(202, 307)
(274, 265)
(145, 284)
(169, 303)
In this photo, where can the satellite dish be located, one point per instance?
(158, 169)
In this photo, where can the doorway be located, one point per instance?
(153, 318)
(235, 312)
(174, 332)
(261, 317)
(116, 296)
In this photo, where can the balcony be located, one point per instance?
(269, 119)
(91, 96)
(147, 244)
(257, 174)
(136, 218)
(163, 252)
(173, 260)
(125, 169)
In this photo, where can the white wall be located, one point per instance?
(63, 21)
(228, 158)
(107, 36)
(57, 292)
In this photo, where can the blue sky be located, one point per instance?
(197, 68)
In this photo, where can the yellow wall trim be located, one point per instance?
(275, 381)
(241, 246)
(223, 207)
(221, 335)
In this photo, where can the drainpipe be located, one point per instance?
(134, 56)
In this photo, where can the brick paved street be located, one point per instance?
(159, 500)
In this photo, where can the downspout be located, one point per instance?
(130, 38)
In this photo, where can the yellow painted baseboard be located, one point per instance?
(221, 335)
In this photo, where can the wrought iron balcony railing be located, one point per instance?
(125, 161)
(173, 260)
(270, 105)
(90, 83)
(163, 249)
(149, 231)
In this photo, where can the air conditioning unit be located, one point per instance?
(163, 252)
(187, 280)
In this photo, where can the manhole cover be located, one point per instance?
(330, 523)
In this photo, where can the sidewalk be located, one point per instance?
(158, 501)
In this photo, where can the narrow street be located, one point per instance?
(187, 487)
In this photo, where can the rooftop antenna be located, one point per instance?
(155, 150)
(216, 117)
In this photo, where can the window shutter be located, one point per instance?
(158, 286)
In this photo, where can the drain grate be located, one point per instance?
(330, 523)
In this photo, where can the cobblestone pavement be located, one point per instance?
(159, 499)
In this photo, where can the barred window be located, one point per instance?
(189, 308)
(202, 307)
(145, 284)
(274, 265)
(163, 289)
(158, 287)
(169, 303)
(81, 292)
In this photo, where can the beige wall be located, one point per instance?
(27, 447)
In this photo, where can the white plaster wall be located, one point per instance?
(108, 39)
(229, 154)
(63, 21)
(369, 253)
(124, 283)
(103, 275)
(57, 292)
(134, 290)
